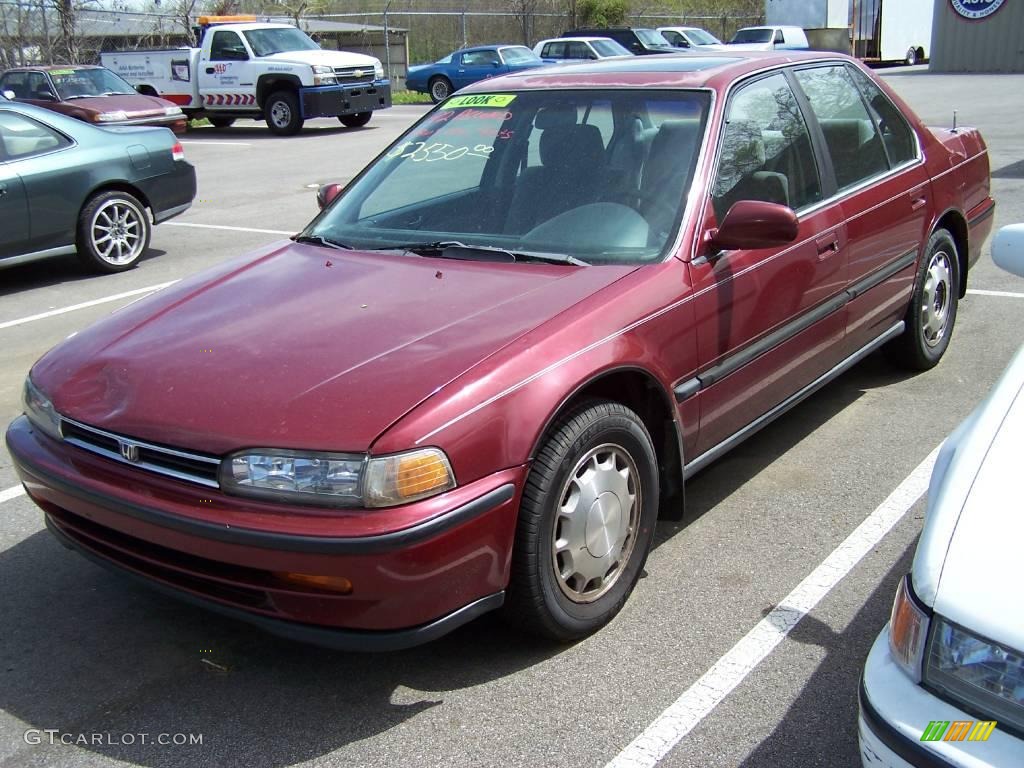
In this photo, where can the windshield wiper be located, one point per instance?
(322, 241)
(453, 249)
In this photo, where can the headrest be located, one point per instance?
(549, 117)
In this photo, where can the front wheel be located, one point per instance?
(586, 521)
(911, 58)
(222, 122)
(282, 113)
(440, 89)
(932, 312)
(113, 232)
(357, 120)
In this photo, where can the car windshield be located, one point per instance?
(518, 55)
(700, 37)
(652, 37)
(609, 48)
(78, 83)
(266, 42)
(752, 36)
(601, 176)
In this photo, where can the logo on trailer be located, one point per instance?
(976, 9)
(958, 730)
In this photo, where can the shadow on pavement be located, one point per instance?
(58, 270)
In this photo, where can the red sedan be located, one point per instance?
(480, 374)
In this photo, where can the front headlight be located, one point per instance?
(908, 630)
(337, 479)
(323, 75)
(112, 117)
(175, 111)
(39, 410)
(378, 71)
(980, 673)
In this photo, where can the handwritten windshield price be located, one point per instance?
(421, 152)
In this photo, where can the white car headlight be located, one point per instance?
(378, 71)
(40, 410)
(323, 75)
(175, 111)
(980, 673)
(337, 479)
(112, 117)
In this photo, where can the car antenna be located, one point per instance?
(953, 129)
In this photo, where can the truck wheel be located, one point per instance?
(440, 89)
(222, 122)
(282, 113)
(911, 58)
(113, 232)
(357, 120)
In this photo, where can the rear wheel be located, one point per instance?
(281, 111)
(911, 58)
(440, 89)
(222, 122)
(113, 232)
(932, 312)
(357, 120)
(586, 522)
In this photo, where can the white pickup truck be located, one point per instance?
(273, 72)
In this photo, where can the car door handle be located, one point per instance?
(210, 70)
(827, 246)
(918, 203)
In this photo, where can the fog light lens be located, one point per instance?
(338, 584)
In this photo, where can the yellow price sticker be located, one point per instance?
(62, 71)
(500, 100)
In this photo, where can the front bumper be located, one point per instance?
(894, 712)
(417, 571)
(337, 100)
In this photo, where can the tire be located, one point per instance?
(282, 114)
(221, 122)
(911, 58)
(440, 88)
(357, 120)
(932, 312)
(113, 232)
(600, 450)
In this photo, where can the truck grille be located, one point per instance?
(347, 75)
(182, 465)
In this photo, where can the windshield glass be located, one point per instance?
(87, 82)
(752, 36)
(598, 175)
(606, 48)
(652, 37)
(700, 37)
(518, 55)
(265, 42)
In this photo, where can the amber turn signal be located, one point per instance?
(338, 584)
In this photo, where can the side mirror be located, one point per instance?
(326, 194)
(495, 64)
(9, 95)
(1008, 248)
(755, 224)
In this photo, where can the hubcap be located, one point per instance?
(281, 114)
(440, 90)
(936, 299)
(117, 232)
(595, 523)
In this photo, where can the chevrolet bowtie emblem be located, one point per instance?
(357, 73)
(129, 451)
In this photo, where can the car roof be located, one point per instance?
(50, 67)
(578, 38)
(673, 70)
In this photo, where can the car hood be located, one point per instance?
(326, 58)
(967, 565)
(132, 104)
(747, 46)
(299, 346)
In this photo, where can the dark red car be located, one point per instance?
(486, 367)
(93, 94)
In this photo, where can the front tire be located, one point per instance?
(113, 232)
(357, 120)
(932, 312)
(282, 113)
(222, 122)
(440, 89)
(586, 521)
(911, 57)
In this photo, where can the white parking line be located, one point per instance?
(230, 229)
(84, 304)
(187, 142)
(1004, 294)
(669, 728)
(12, 493)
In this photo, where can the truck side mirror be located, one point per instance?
(9, 95)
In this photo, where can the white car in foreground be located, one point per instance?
(943, 684)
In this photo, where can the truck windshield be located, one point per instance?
(265, 42)
(597, 175)
(79, 83)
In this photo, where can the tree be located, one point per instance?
(603, 13)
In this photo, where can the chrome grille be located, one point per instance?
(182, 465)
(346, 75)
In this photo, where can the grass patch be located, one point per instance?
(410, 97)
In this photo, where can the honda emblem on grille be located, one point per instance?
(129, 451)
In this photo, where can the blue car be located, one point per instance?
(459, 69)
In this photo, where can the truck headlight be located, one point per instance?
(980, 673)
(323, 75)
(337, 479)
(39, 410)
(378, 71)
(112, 117)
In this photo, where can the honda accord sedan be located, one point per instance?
(483, 371)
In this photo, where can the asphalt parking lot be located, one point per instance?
(114, 667)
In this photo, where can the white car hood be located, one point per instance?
(748, 47)
(968, 561)
(327, 58)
